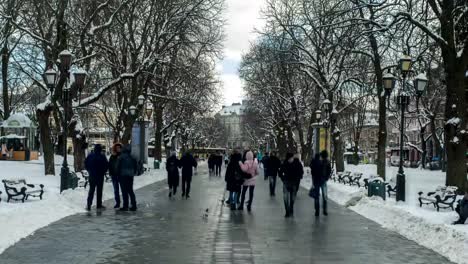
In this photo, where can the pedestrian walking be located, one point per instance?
(321, 171)
(172, 168)
(462, 210)
(297, 161)
(96, 164)
(218, 164)
(274, 165)
(226, 160)
(114, 173)
(127, 167)
(211, 163)
(234, 179)
(187, 163)
(250, 169)
(265, 160)
(290, 173)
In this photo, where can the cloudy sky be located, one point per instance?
(243, 17)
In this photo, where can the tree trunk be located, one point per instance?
(79, 154)
(46, 142)
(423, 147)
(455, 107)
(338, 152)
(158, 121)
(6, 92)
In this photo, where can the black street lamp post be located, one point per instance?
(51, 78)
(403, 98)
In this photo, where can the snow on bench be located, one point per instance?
(21, 189)
(443, 197)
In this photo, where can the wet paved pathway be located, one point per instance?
(175, 231)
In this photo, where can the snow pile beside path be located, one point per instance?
(425, 226)
(18, 220)
(442, 238)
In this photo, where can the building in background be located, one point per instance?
(232, 118)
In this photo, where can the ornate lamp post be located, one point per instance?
(51, 77)
(403, 100)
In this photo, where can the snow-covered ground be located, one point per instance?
(424, 225)
(18, 220)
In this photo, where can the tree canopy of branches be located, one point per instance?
(340, 50)
(164, 50)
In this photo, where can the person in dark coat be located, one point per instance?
(96, 164)
(234, 179)
(266, 169)
(218, 164)
(187, 163)
(298, 163)
(291, 172)
(321, 172)
(462, 210)
(211, 163)
(114, 173)
(274, 165)
(127, 166)
(172, 168)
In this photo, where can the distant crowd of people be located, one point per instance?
(215, 163)
(242, 171)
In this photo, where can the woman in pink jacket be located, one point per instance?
(250, 168)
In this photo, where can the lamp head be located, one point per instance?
(80, 78)
(141, 100)
(405, 64)
(420, 83)
(132, 110)
(388, 83)
(65, 58)
(50, 77)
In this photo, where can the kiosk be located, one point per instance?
(17, 135)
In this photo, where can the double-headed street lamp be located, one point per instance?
(52, 77)
(402, 100)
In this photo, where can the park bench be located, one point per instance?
(353, 179)
(391, 187)
(83, 179)
(333, 176)
(442, 197)
(22, 190)
(342, 175)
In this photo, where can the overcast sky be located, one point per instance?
(243, 17)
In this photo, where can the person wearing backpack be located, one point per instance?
(127, 167)
(250, 169)
(172, 168)
(234, 179)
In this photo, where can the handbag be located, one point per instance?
(246, 175)
(314, 192)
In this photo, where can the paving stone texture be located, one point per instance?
(177, 231)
